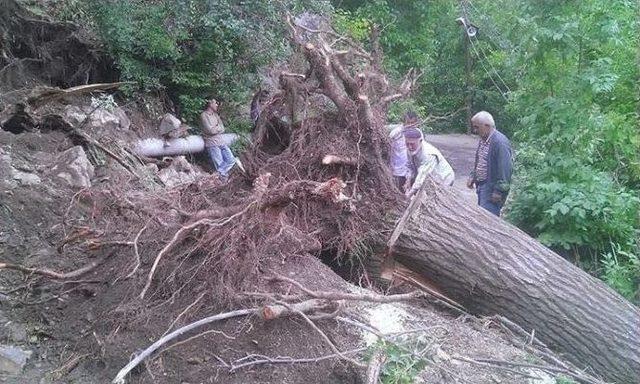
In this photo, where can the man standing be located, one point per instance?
(491, 175)
(212, 130)
(398, 157)
(425, 159)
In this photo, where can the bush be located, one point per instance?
(578, 210)
(195, 49)
(621, 270)
(569, 205)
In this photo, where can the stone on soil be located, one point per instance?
(13, 359)
(74, 168)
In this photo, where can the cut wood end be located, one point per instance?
(387, 275)
(309, 46)
(329, 159)
(388, 270)
(267, 313)
(335, 159)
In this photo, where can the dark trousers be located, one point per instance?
(400, 182)
(484, 190)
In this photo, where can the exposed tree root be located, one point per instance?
(52, 274)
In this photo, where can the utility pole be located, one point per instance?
(464, 22)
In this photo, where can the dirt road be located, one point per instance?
(460, 151)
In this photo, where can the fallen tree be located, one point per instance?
(333, 107)
(321, 184)
(491, 267)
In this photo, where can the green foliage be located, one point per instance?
(402, 361)
(570, 205)
(565, 380)
(622, 269)
(357, 27)
(194, 49)
(577, 178)
(416, 34)
(398, 109)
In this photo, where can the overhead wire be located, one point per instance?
(473, 47)
(493, 68)
(491, 30)
(477, 48)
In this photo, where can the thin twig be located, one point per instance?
(195, 337)
(178, 236)
(369, 297)
(289, 360)
(183, 312)
(368, 328)
(324, 335)
(484, 364)
(135, 250)
(49, 273)
(120, 377)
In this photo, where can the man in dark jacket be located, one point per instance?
(491, 174)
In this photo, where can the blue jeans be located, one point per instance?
(222, 159)
(484, 191)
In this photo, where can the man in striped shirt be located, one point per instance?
(491, 175)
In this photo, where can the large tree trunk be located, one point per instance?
(491, 267)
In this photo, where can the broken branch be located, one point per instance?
(370, 297)
(261, 359)
(335, 159)
(49, 273)
(48, 94)
(298, 308)
(120, 377)
(375, 366)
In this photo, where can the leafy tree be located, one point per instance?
(577, 180)
(195, 48)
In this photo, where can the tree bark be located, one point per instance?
(492, 267)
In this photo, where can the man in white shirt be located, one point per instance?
(425, 159)
(398, 157)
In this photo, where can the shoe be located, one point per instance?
(240, 166)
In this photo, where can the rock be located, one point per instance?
(12, 176)
(98, 117)
(74, 168)
(17, 332)
(179, 172)
(13, 359)
(25, 178)
(74, 115)
(104, 119)
(125, 123)
(6, 170)
(168, 124)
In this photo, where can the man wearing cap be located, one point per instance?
(398, 157)
(425, 159)
(212, 130)
(491, 174)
